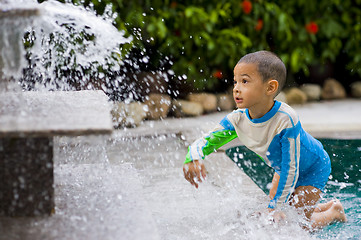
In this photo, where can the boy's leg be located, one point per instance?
(305, 198)
(323, 206)
(328, 213)
(273, 190)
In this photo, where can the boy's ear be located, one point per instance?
(272, 87)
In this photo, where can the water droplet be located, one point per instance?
(119, 197)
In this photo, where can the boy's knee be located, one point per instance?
(337, 206)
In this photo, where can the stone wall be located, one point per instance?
(159, 105)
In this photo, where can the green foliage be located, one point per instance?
(200, 38)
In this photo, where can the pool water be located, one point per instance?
(344, 182)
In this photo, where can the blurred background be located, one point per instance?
(197, 43)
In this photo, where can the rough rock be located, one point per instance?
(295, 96)
(356, 89)
(313, 91)
(225, 102)
(182, 108)
(158, 106)
(281, 97)
(332, 89)
(207, 100)
(128, 114)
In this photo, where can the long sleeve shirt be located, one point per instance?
(277, 138)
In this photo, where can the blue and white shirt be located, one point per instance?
(277, 137)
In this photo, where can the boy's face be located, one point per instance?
(249, 89)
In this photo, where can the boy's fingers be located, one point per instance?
(185, 172)
(195, 184)
(197, 170)
(192, 181)
(193, 176)
(203, 171)
(198, 174)
(189, 176)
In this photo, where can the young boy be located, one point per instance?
(272, 130)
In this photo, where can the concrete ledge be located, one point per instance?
(19, 12)
(30, 114)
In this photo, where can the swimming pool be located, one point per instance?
(344, 182)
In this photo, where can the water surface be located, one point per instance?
(344, 182)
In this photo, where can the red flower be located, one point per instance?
(218, 74)
(247, 6)
(311, 27)
(177, 32)
(259, 25)
(173, 4)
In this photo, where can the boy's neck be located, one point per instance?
(261, 110)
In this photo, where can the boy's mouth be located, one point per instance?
(238, 100)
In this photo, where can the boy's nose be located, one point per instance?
(236, 88)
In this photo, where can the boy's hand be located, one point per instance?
(277, 215)
(194, 170)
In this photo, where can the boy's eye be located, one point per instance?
(244, 81)
(234, 82)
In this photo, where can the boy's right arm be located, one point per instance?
(193, 168)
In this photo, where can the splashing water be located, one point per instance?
(65, 26)
(66, 46)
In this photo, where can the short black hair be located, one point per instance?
(270, 66)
